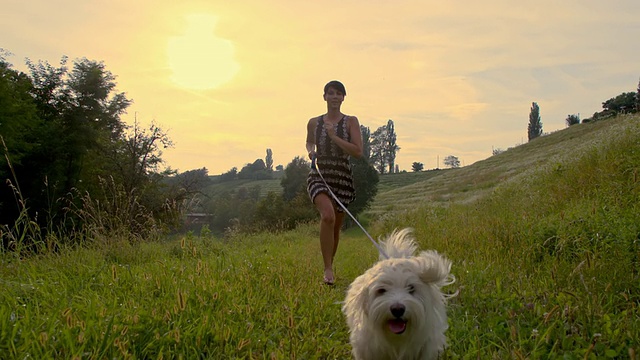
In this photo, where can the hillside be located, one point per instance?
(398, 192)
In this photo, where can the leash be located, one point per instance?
(375, 243)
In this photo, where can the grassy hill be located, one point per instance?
(544, 240)
(404, 190)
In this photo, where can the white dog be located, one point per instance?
(395, 310)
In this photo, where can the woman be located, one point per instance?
(331, 139)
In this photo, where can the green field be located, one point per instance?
(544, 240)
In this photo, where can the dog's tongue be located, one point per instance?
(397, 326)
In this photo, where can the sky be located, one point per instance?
(228, 80)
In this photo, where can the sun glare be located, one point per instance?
(198, 58)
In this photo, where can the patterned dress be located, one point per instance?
(333, 164)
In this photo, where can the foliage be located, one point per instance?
(365, 181)
(626, 102)
(535, 124)
(417, 166)
(113, 213)
(192, 181)
(136, 155)
(621, 103)
(187, 189)
(384, 148)
(365, 132)
(17, 113)
(452, 161)
(274, 214)
(268, 160)
(233, 210)
(638, 98)
(63, 131)
(294, 180)
(230, 175)
(573, 119)
(255, 171)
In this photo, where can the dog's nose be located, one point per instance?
(397, 310)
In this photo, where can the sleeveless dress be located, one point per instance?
(333, 164)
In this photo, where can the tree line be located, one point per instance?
(70, 162)
(73, 171)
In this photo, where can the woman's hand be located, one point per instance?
(331, 129)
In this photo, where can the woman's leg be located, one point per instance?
(336, 232)
(327, 238)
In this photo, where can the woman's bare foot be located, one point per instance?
(328, 277)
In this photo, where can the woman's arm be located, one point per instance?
(353, 147)
(311, 137)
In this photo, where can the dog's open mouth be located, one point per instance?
(397, 326)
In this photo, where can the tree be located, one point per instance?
(365, 182)
(137, 156)
(573, 119)
(193, 181)
(19, 126)
(452, 161)
(294, 179)
(18, 114)
(366, 142)
(268, 161)
(81, 111)
(391, 147)
(78, 144)
(255, 171)
(638, 98)
(79, 114)
(417, 166)
(230, 175)
(535, 124)
(622, 103)
(384, 148)
(377, 156)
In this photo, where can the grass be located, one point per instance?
(544, 239)
(195, 297)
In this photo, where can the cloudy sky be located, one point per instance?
(229, 79)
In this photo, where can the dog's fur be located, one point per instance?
(395, 310)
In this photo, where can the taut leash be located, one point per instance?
(375, 243)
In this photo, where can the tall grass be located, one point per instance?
(197, 297)
(548, 265)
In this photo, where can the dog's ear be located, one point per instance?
(434, 268)
(356, 303)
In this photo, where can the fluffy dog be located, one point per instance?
(395, 310)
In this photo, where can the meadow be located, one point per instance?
(544, 240)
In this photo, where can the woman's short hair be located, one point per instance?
(336, 85)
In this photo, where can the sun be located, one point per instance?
(198, 58)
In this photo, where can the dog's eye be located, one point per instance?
(411, 289)
(381, 291)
